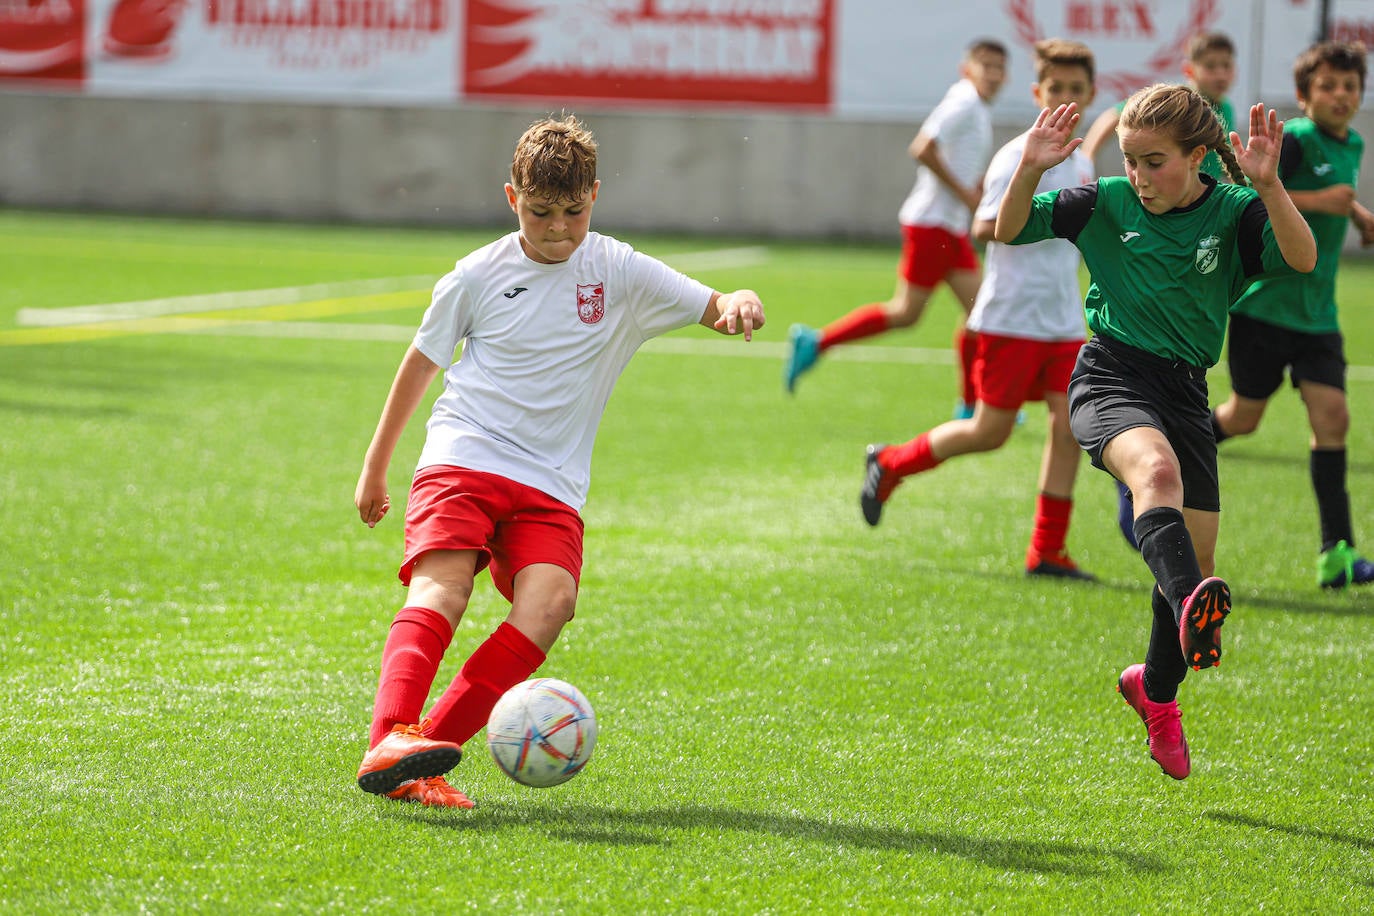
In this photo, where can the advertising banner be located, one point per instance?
(774, 53)
(888, 60)
(43, 41)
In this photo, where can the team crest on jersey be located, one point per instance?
(1208, 254)
(591, 302)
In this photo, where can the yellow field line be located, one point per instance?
(172, 324)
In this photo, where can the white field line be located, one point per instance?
(715, 259)
(688, 261)
(681, 346)
(214, 302)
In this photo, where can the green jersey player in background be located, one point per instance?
(1290, 322)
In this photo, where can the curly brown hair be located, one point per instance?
(555, 159)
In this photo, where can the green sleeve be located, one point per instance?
(1040, 224)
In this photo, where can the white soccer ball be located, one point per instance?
(541, 732)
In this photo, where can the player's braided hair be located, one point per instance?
(555, 159)
(1182, 113)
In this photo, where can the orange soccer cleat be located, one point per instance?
(433, 792)
(405, 754)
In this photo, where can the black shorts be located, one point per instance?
(1259, 352)
(1116, 387)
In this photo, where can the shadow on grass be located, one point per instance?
(1297, 460)
(1242, 820)
(653, 826)
(1339, 604)
(47, 408)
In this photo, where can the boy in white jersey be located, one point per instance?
(547, 318)
(953, 147)
(1029, 322)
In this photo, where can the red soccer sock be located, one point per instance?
(966, 346)
(414, 647)
(908, 458)
(1051, 525)
(864, 321)
(504, 660)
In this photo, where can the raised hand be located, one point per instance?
(1050, 139)
(1259, 157)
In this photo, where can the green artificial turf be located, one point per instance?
(797, 713)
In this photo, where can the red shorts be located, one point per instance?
(510, 525)
(1008, 371)
(930, 253)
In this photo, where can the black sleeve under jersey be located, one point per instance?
(1290, 157)
(1250, 237)
(1073, 207)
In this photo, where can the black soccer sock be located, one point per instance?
(1327, 466)
(1165, 666)
(1218, 433)
(1168, 551)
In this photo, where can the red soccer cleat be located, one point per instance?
(1059, 566)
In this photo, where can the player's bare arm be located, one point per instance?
(1338, 200)
(740, 312)
(1049, 142)
(926, 150)
(1363, 219)
(407, 389)
(1259, 160)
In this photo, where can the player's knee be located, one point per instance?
(1332, 422)
(1242, 424)
(1162, 482)
(991, 438)
(903, 316)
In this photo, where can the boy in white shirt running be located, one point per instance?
(1028, 320)
(953, 147)
(547, 318)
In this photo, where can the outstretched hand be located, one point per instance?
(1050, 140)
(1259, 157)
(740, 312)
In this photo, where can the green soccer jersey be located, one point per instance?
(1161, 283)
(1312, 159)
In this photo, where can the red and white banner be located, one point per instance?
(43, 40)
(879, 59)
(753, 52)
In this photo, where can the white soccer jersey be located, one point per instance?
(962, 125)
(1030, 290)
(543, 345)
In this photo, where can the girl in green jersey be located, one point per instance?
(1168, 251)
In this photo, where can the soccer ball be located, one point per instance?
(541, 732)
